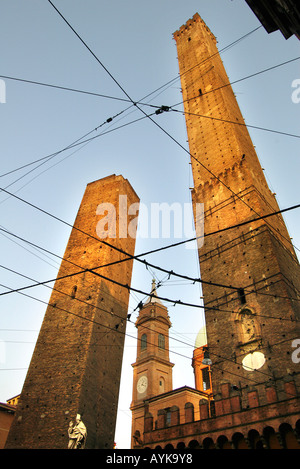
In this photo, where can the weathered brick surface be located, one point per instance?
(76, 364)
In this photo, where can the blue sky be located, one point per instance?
(133, 40)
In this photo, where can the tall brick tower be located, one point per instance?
(76, 364)
(252, 321)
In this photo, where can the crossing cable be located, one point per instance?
(159, 126)
(44, 283)
(109, 119)
(221, 230)
(224, 49)
(216, 177)
(243, 124)
(22, 80)
(121, 99)
(129, 256)
(48, 157)
(136, 257)
(65, 88)
(84, 302)
(107, 70)
(139, 102)
(114, 329)
(128, 287)
(114, 97)
(237, 81)
(88, 304)
(74, 144)
(90, 50)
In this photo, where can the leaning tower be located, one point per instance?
(76, 364)
(252, 318)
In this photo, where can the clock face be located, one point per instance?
(142, 384)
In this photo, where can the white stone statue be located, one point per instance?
(77, 434)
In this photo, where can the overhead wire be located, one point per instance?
(136, 257)
(87, 270)
(169, 350)
(82, 301)
(133, 102)
(131, 289)
(117, 82)
(65, 88)
(111, 97)
(234, 82)
(243, 124)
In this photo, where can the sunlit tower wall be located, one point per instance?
(76, 364)
(252, 320)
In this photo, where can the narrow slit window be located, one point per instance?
(161, 341)
(144, 342)
(74, 290)
(242, 296)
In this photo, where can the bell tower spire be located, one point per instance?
(152, 370)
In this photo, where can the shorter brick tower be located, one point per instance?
(76, 364)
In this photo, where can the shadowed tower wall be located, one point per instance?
(260, 314)
(76, 364)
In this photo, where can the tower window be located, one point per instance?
(168, 417)
(144, 342)
(161, 341)
(73, 293)
(242, 296)
(205, 379)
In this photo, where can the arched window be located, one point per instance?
(189, 412)
(144, 342)
(168, 417)
(205, 378)
(161, 341)
(161, 385)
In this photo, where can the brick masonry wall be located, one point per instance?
(233, 416)
(76, 364)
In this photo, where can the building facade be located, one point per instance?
(7, 413)
(155, 404)
(76, 364)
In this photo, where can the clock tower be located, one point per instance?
(152, 370)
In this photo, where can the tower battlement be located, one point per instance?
(188, 25)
